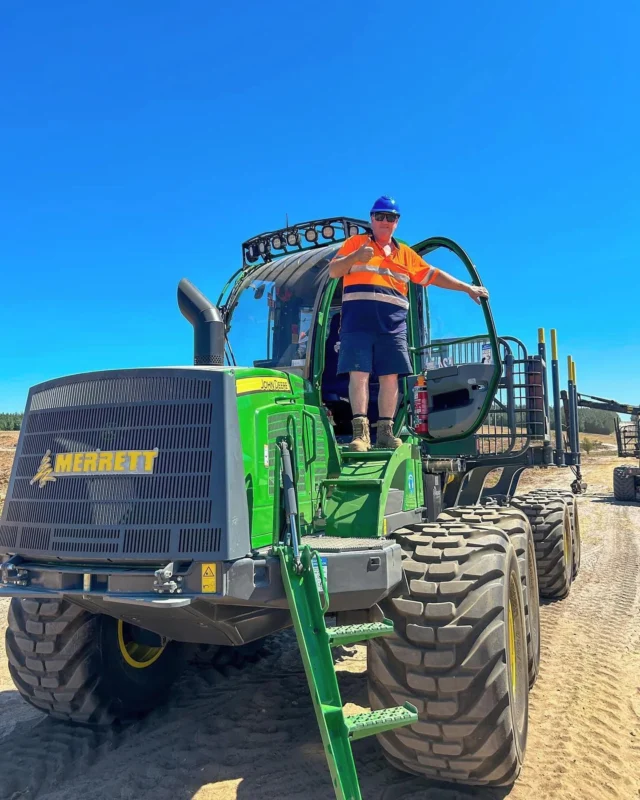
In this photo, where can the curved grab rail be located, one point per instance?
(428, 246)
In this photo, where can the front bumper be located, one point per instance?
(359, 573)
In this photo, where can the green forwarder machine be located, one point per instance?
(626, 479)
(151, 511)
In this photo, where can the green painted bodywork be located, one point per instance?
(334, 488)
(339, 493)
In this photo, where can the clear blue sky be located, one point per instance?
(143, 142)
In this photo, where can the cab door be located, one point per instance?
(462, 373)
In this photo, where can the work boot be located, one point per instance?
(385, 438)
(361, 441)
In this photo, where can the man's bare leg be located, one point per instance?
(359, 393)
(388, 397)
(387, 404)
(359, 399)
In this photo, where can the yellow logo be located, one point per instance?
(44, 474)
(95, 462)
(262, 384)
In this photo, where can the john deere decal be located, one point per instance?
(94, 462)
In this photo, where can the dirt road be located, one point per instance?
(251, 734)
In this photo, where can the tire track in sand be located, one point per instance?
(584, 730)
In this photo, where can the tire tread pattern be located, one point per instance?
(548, 517)
(448, 657)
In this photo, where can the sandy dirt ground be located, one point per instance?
(250, 733)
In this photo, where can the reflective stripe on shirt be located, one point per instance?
(431, 273)
(399, 276)
(379, 297)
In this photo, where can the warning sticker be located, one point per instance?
(209, 578)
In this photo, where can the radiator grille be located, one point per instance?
(147, 512)
(171, 463)
(122, 488)
(35, 538)
(125, 438)
(85, 419)
(146, 541)
(134, 389)
(198, 540)
(190, 420)
(8, 536)
(84, 547)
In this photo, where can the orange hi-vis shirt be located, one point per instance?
(375, 295)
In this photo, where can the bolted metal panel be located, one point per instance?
(187, 503)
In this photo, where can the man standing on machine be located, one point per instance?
(376, 271)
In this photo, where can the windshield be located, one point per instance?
(270, 320)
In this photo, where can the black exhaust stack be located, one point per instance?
(208, 327)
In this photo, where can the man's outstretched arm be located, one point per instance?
(446, 281)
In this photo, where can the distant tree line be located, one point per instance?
(10, 422)
(591, 420)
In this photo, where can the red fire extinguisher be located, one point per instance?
(420, 406)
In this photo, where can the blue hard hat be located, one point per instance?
(386, 203)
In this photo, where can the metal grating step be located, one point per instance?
(335, 544)
(374, 722)
(350, 634)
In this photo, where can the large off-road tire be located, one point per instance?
(87, 668)
(572, 503)
(516, 525)
(624, 485)
(459, 654)
(551, 526)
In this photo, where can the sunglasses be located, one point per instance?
(381, 216)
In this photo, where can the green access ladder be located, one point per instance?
(316, 640)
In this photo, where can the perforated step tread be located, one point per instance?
(335, 544)
(374, 722)
(350, 634)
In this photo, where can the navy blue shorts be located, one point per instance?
(377, 353)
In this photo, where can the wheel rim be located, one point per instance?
(517, 658)
(513, 661)
(137, 654)
(567, 541)
(534, 605)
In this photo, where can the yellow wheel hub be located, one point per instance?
(136, 654)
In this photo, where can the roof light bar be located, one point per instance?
(298, 238)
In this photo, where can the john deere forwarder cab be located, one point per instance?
(155, 510)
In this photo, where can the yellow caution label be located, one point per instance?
(209, 578)
(384, 527)
(248, 385)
